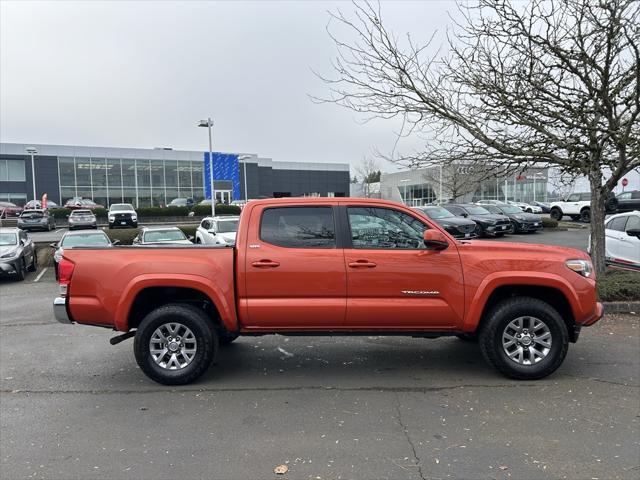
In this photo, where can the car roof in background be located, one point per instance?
(81, 210)
(147, 229)
(28, 210)
(9, 229)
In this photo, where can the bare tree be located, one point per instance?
(368, 169)
(551, 83)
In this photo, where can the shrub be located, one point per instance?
(549, 222)
(125, 235)
(100, 212)
(60, 213)
(204, 210)
(619, 286)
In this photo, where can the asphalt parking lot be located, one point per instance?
(73, 406)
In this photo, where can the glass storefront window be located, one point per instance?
(196, 169)
(128, 173)
(129, 195)
(114, 173)
(171, 194)
(66, 194)
(15, 171)
(83, 173)
(198, 194)
(144, 197)
(67, 172)
(184, 179)
(171, 174)
(143, 173)
(98, 173)
(100, 196)
(84, 192)
(157, 182)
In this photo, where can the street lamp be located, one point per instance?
(32, 151)
(405, 189)
(209, 123)
(244, 159)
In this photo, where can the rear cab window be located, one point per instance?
(298, 227)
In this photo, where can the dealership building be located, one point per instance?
(154, 177)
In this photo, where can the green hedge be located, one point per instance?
(146, 212)
(220, 210)
(549, 222)
(619, 286)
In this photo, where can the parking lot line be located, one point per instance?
(41, 274)
(59, 230)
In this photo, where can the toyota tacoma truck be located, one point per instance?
(332, 266)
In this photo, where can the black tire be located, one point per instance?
(479, 231)
(514, 227)
(585, 215)
(22, 270)
(34, 263)
(206, 343)
(556, 214)
(467, 337)
(497, 320)
(611, 205)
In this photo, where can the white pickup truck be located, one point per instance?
(578, 207)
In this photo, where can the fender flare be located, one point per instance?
(518, 278)
(195, 282)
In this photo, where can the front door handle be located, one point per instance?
(265, 264)
(362, 264)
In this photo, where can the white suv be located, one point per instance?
(578, 207)
(217, 231)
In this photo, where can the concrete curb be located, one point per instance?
(622, 307)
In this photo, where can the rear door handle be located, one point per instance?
(362, 264)
(265, 264)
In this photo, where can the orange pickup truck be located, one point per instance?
(332, 266)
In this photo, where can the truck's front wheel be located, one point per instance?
(175, 344)
(524, 338)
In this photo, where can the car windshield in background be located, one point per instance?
(155, 236)
(85, 240)
(32, 215)
(228, 226)
(8, 239)
(475, 210)
(510, 209)
(121, 207)
(78, 213)
(437, 213)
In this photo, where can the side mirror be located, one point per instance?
(115, 242)
(634, 232)
(435, 240)
(465, 215)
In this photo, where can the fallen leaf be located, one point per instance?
(281, 469)
(503, 467)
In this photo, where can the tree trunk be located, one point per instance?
(598, 200)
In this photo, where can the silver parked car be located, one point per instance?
(82, 219)
(36, 219)
(79, 239)
(17, 253)
(161, 236)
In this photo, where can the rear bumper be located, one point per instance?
(60, 310)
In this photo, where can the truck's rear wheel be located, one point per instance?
(585, 215)
(524, 338)
(175, 344)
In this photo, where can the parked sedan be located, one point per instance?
(81, 203)
(487, 223)
(8, 210)
(182, 202)
(458, 227)
(17, 253)
(78, 239)
(520, 221)
(622, 240)
(36, 220)
(122, 215)
(217, 231)
(82, 219)
(161, 235)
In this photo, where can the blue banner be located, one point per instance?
(225, 167)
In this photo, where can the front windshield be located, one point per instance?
(84, 240)
(8, 239)
(172, 235)
(228, 226)
(121, 207)
(32, 215)
(475, 210)
(510, 209)
(438, 212)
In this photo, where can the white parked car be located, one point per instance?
(578, 207)
(622, 240)
(161, 236)
(525, 207)
(217, 231)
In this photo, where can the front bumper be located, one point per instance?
(8, 267)
(123, 223)
(597, 315)
(60, 310)
(529, 226)
(497, 229)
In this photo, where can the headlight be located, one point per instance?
(10, 254)
(134, 217)
(112, 218)
(582, 267)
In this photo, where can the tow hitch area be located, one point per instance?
(122, 338)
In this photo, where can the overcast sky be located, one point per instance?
(140, 74)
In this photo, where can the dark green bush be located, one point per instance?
(619, 286)
(549, 222)
(100, 212)
(125, 235)
(203, 210)
(60, 213)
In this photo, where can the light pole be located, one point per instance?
(209, 123)
(440, 194)
(32, 151)
(244, 166)
(405, 190)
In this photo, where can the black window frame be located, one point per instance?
(336, 234)
(348, 238)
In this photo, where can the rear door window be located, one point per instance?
(299, 227)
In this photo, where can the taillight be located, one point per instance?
(65, 271)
